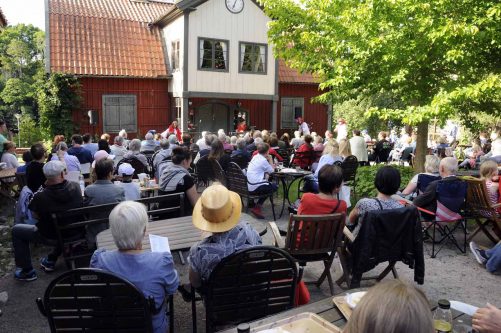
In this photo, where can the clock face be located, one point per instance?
(235, 6)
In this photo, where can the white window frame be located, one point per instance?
(175, 55)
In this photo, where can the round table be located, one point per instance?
(287, 177)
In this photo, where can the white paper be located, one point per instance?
(159, 243)
(463, 307)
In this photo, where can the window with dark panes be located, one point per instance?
(253, 58)
(119, 112)
(213, 54)
(175, 55)
(292, 107)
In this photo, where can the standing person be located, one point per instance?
(173, 129)
(304, 129)
(258, 171)
(58, 195)
(359, 148)
(3, 130)
(88, 144)
(84, 156)
(341, 129)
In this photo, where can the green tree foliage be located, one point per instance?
(57, 96)
(29, 131)
(440, 58)
(367, 174)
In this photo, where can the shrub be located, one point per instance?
(366, 175)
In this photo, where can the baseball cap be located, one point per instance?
(125, 169)
(53, 168)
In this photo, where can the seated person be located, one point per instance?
(84, 155)
(175, 178)
(330, 156)
(319, 144)
(272, 152)
(392, 306)
(387, 182)
(27, 158)
(9, 157)
(118, 149)
(88, 144)
(58, 195)
(206, 148)
(303, 160)
(431, 164)
(258, 171)
(382, 149)
(134, 151)
(149, 144)
(163, 154)
(61, 154)
(152, 272)
(104, 144)
(218, 212)
(101, 192)
(131, 189)
(240, 150)
(35, 177)
(491, 258)
(217, 154)
(428, 199)
(489, 173)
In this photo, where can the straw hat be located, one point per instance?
(217, 210)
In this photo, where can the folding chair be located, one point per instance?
(389, 235)
(450, 196)
(423, 181)
(480, 207)
(313, 238)
(248, 285)
(94, 300)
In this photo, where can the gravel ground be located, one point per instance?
(451, 275)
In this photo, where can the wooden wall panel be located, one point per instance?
(314, 113)
(153, 103)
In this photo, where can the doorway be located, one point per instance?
(212, 117)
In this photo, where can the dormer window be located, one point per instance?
(253, 58)
(213, 54)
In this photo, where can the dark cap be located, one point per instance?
(444, 304)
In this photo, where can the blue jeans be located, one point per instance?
(494, 262)
(22, 235)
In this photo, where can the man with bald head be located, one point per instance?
(428, 199)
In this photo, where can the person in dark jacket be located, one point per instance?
(428, 199)
(34, 171)
(57, 196)
(84, 155)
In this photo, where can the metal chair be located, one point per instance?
(204, 171)
(138, 166)
(237, 182)
(241, 160)
(349, 167)
(94, 300)
(248, 285)
(480, 207)
(312, 238)
(219, 174)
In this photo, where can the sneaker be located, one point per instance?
(256, 211)
(47, 265)
(479, 254)
(25, 276)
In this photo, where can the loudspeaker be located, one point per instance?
(93, 117)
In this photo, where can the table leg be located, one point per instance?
(284, 187)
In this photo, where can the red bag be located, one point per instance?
(302, 294)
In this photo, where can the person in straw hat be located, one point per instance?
(218, 212)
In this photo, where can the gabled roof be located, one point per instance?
(290, 75)
(106, 37)
(3, 20)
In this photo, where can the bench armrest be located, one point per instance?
(279, 242)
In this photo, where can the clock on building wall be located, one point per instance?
(234, 6)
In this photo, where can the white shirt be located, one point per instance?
(304, 128)
(359, 148)
(496, 147)
(258, 166)
(10, 160)
(342, 131)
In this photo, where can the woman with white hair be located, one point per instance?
(152, 272)
(431, 165)
(297, 140)
(134, 151)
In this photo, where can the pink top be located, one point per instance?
(493, 192)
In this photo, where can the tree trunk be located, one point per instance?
(421, 146)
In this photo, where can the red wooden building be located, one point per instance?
(143, 64)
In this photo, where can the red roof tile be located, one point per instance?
(106, 38)
(290, 75)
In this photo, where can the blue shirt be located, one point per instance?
(152, 272)
(206, 254)
(72, 163)
(92, 147)
(84, 156)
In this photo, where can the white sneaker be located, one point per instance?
(478, 253)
